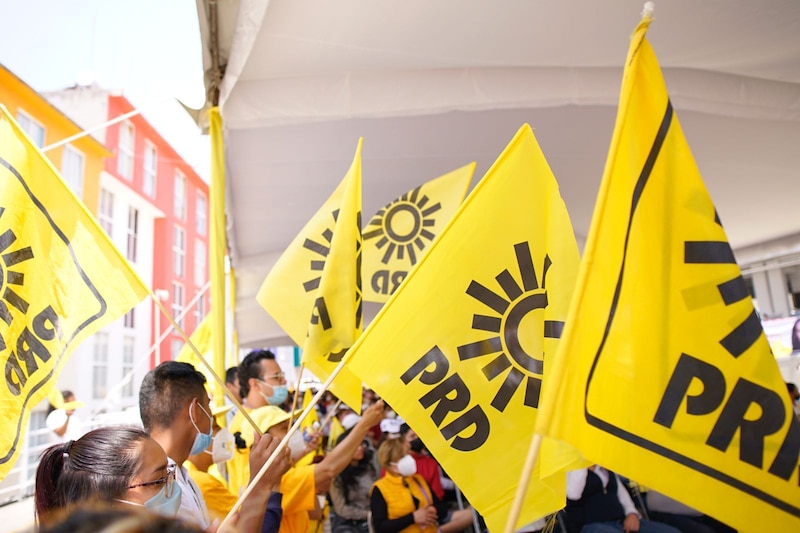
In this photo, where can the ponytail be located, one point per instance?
(51, 466)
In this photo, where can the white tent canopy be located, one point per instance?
(433, 85)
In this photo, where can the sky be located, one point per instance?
(147, 49)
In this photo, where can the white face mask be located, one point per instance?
(406, 466)
(297, 444)
(222, 446)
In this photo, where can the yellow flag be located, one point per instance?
(314, 290)
(61, 280)
(401, 232)
(203, 339)
(664, 372)
(460, 349)
(217, 250)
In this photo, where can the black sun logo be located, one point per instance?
(401, 226)
(514, 347)
(8, 277)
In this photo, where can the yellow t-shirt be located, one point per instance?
(219, 500)
(299, 497)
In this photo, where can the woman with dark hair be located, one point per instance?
(349, 491)
(108, 464)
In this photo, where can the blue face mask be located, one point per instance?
(163, 505)
(279, 394)
(203, 440)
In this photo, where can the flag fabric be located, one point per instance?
(314, 290)
(61, 279)
(400, 233)
(664, 374)
(203, 339)
(460, 349)
(218, 248)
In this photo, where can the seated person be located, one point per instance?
(598, 502)
(403, 501)
(427, 466)
(688, 520)
(109, 464)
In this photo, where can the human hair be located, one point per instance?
(390, 451)
(796, 335)
(106, 518)
(250, 367)
(791, 387)
(64, 395)
(98, 466)
(348, 478)
(166, 391)
(231, 374)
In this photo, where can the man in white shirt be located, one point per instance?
(598, 502)
(176, 412)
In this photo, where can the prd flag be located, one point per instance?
(61, 280)
(314, 290)
(664, 373)
(202, 339)
(400, 233)
(460, 349)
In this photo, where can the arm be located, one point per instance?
(58, 421)
(339, 457)
(252, 513)
(624, 498)
(380, 515)
(576, 482)
(272, 518)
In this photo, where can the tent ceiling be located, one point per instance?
(433, 85)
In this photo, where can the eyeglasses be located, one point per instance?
(168, 481)
(279, 375)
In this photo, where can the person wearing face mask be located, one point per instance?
(218, 498)
(176, 412)
(261, 383)
(403, 501)
(301, 484)
(115, 464)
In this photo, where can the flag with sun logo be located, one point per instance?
(460, 350)
(61, 280)
(664, 373)
(401, 232)
(314, 290)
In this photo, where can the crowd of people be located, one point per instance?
(192, 466)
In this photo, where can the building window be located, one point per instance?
(100, 365)
(129, 320)
(34, 130)
(179, 252)
(72, 169)
(176, 346)
(125, 150)
(105, 214)
(180, 195)
(128, 343)
(199, 262)
(177, 303)
(199, 311)
(201, 213)
(150, 166)
(133, 233)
